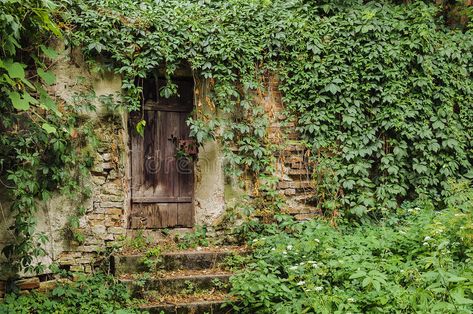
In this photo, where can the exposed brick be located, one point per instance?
(297, 172)
(114, 211)
(303, 184)
(286, 185)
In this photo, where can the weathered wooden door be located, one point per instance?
(162, 172)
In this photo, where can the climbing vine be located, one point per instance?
(382, 91)
(39, 137)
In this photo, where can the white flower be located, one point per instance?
(317, 240)
(300, 283)
(293, 267)
(318, 288)
(351, 300)
(427, 238)
(255, 240)
(315, 265)
(284, 252)
(425, 244)
(289, 247)
(273, 249)
(301, 263)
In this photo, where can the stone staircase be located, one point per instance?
(191, 281)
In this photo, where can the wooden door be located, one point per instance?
(162, 174)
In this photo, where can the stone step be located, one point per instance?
(132, 264)
(180, 283)
(196, 307)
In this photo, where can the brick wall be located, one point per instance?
(293, 166)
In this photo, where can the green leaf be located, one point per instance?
(15, 70)
(49, 52)
(18, 102)
(140, 127)
(48, 77)
(358, 274)
(48, 128)
(47, 103)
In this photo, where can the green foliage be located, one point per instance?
(417, 260)
(97, 294)
(382, 91)
(38, 139)
(383, 95)
(152, 258)
(194, 239)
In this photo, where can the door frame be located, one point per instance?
(182, 74)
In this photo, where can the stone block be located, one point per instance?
(303, 184)
(106, 157)
(99, 230)
(113, 198)
(113, 175)
(28, 283)
(88, 248)
(298, 165)
(111, 204)
(298, 172)
(107, 166)
(301, 217)
(111, 188)
(96, 216)
(76, 268)
(295, 159)
(114, 211)
(286, 185)
(47, 285)
(290, 192)
(117, 230)
(98, 180)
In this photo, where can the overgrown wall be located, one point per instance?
(104, 224)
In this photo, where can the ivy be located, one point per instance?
(38, 138)
(382, 91)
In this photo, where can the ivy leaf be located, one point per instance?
(47, 103)
(48, 77)
(333, 88)
(48, 128)
(140, 127)
(15, 70)
(49, 52)
(18, 102)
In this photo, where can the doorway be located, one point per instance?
(162, 158)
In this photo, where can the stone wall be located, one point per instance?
(104, 224)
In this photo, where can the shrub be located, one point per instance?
(96, 294)
(417, 260)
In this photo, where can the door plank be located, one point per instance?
(185, 215)
(162, 199)
(162, 184)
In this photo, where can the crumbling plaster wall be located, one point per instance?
(105, 221)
